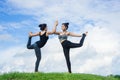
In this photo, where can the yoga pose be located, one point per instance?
(67, 44)
(39, 44)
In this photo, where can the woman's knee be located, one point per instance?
(81, 44)
(28, 47)
(39, 58)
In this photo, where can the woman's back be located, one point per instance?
(43, 40)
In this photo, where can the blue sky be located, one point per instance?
(99, 55)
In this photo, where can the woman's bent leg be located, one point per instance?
(82, 40)
(29, 46)
(75, 45)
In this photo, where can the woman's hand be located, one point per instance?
(54, 28)
(56, 23)
(30, 34)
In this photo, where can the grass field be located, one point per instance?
(54, 76)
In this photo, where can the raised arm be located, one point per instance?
(74, 35)
(55, 32)
(54, 28)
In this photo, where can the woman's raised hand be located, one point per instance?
(56, 22)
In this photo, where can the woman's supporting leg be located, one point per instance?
(37, 52)
(38, 56)
(29, 46)
(74, 45)
(67, 57)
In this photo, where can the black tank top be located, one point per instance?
(43, 40)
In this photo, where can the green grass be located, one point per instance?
(54, 76)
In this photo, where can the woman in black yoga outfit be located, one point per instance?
(39, 44)
(67, 44)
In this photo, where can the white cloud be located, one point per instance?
(115, 63)
(93, 64)
(106, 6)
(26, 4)
(18, 25)
(7, 37)
(101, 39)
(11, 62)
(1, 28)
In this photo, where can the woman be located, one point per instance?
(39, 44)
(67, 44)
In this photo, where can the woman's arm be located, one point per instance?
(35, 34)
(74, 35)
(57, 33)
(54, 29)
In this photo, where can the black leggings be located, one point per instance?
(37, 52)
(66, 49)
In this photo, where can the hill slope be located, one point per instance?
(53, 76)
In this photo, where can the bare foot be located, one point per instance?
(85, 34)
